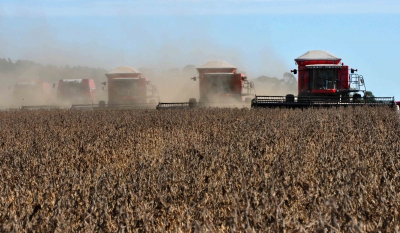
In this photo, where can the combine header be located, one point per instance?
(324, 82)
(219, 85)
(126, 90)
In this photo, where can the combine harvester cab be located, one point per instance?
(219, 85)
(126, 90)
(31, 95)
(324, 82)
(76, 91)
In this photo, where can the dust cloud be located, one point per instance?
(169, 63)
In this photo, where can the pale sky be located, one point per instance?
(260, 37)
(194, 7)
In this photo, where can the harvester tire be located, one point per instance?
(356, 98)
(247, 100)
(290, 98)
(192, 102)
(102, 104)
(345, 99)
(301, 99)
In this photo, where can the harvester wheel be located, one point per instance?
(247, 100)
(356, 98)
(289, 98)
(301, 99)
(102, 104)
(345, 99)
(192, 102)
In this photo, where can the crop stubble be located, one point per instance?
(200, 170)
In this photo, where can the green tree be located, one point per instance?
(369, 94)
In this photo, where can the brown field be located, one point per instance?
(214, 170)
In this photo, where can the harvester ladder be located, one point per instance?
(357, 82)
(248, 86)
(154, 92)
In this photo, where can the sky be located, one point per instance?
(260, 37)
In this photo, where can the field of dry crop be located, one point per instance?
(214, 170)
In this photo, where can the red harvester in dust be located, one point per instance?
(218, 83)
(127, 87)
(32, 93)
(76, 91)
(324, 82)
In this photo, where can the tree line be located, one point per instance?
(26, 70)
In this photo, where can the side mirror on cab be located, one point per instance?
(293, 71)
(194, 78)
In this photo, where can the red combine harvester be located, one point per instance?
(219, 84)
(324, 82)
(126, 90)
(32, 95)
(76, 91)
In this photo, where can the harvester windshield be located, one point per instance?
(218, 83)
(221, 85)
(126, 87)
(323, 79)
(72, 89)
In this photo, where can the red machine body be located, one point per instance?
(320, 73)
(218, 81)
(76, 91)
(32, 92)
(126, 86)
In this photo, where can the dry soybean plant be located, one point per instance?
(216, 170)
